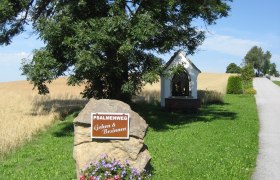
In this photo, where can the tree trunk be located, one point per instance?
(119, 80)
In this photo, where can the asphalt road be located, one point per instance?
(268, 105)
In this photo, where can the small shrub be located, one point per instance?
(247, 73)
(234, 85)
(250, 91)
(210, 97)
(106, 169)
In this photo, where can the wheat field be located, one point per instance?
(23, 112)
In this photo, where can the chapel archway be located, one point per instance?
(181, 84)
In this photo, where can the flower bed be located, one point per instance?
(106, 169)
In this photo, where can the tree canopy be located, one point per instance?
(260, 60)
(108, 44)
(273, 70)
(233, 68)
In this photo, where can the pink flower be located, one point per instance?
(117, 177)
(82, 178)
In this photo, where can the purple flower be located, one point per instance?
(123, 173)
(104, 156)
(134, 172)
(103, 162)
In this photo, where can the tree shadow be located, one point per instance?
(161, 119)
(61, 107)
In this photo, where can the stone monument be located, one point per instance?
(87, 149)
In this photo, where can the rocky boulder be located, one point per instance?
(87, 150)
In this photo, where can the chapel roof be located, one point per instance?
(184, 54)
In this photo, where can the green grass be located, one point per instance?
(47, 156)
(277, 82)
(219, 142)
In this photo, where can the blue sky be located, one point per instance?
(251, 22)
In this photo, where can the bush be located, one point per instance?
(247, 73)
(250, 91)
(234, 85)
(106, 169)
(210, 97)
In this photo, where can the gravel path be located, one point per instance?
(268, 104)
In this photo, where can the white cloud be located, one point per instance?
(10, 58)
(228, 45)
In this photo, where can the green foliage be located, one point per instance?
(250, 91)
(233, 68)
(247, 73)
(175, 70)
(210, 97)
(266, 62)
(273, 70)
(258, 59)
(109, 45)
(255, 57)
(234, 85)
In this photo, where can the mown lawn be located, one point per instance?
(219, 142)
(277, 82)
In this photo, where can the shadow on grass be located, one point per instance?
(64, 130)
(160, 119)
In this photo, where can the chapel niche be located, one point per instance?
(181, 84)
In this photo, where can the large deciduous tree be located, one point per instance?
(273, 70)
(107, 44)
(266, 62)
(260, 60)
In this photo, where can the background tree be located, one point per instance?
(259, 60)
(255, 57)
(108, 44)
(266, 63)
(273, 70)
(233, 68)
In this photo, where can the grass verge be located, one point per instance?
(219, 142)
(277, 82)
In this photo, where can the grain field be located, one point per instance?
(23, 112)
